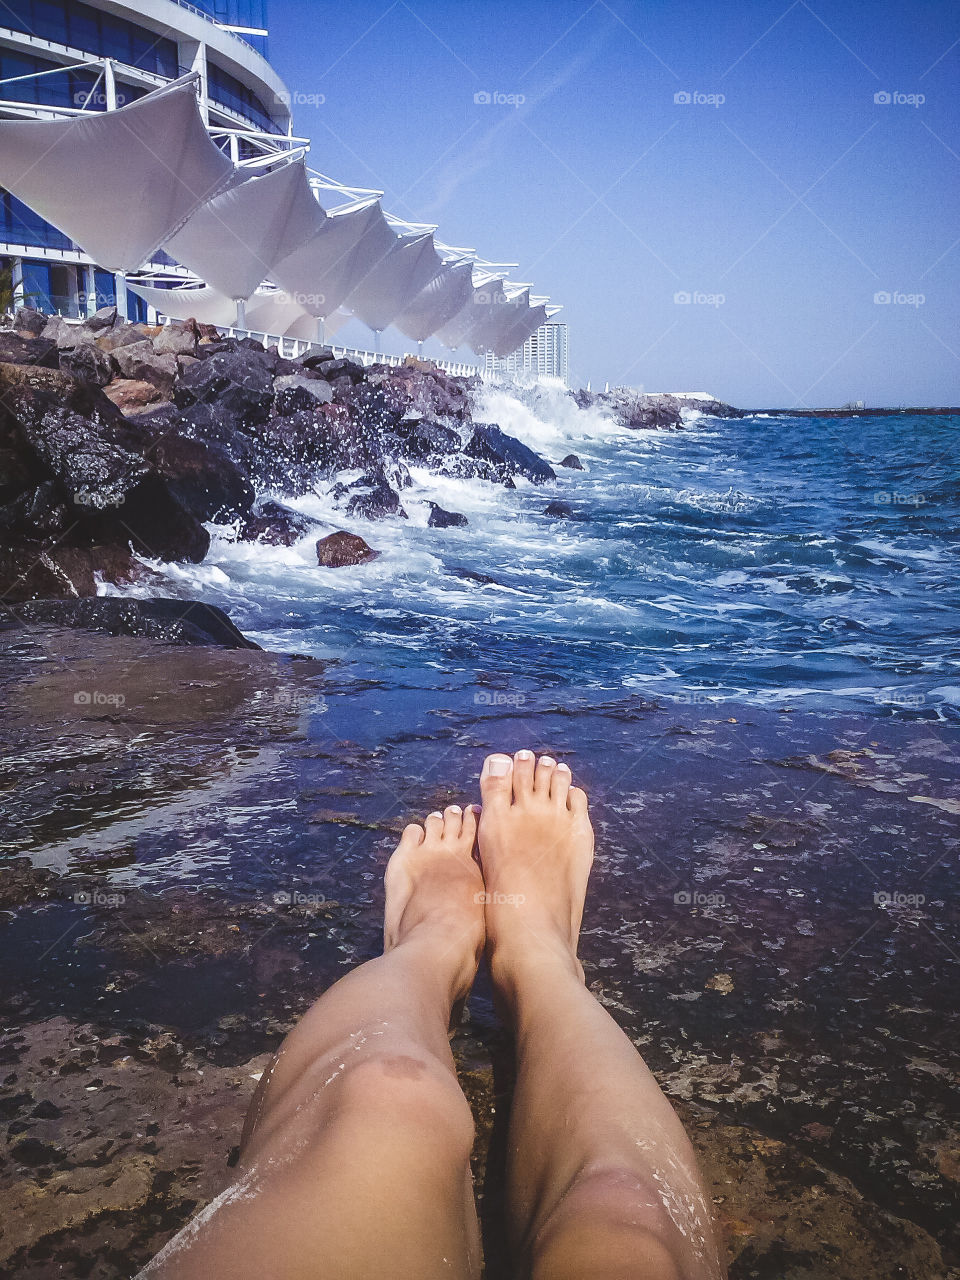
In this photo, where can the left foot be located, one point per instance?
(435, 895)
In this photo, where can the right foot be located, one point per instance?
(536, 849)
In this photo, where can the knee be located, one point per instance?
(609, 1223)
(408, 1089)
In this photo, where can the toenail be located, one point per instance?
(436, 814)
(454, 808)
(564, 767)
(524, 755)
(547, 760)
(499, 766)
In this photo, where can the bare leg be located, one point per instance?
(603, 1181)
(356, 1151)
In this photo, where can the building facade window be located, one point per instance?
(229, 92)
(78, 25)
(240, 13)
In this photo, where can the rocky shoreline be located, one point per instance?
(120, 442)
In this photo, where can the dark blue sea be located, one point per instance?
(807, 562)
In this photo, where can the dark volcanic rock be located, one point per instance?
(571, 461)
(490, 444)
(15, 349)
(179, 622)
(31, 571)
(28, 322)
(140, 362)
(441, 519)
(421, 440)
(237, 383)
(88, 363)
(275, 524)
(559, 510)
(377, 502)
(339, 549)
(68, 432)
(202, 477)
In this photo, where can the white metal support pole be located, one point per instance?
(110, 84)
(241, 314)
(120, 283)
(90, 288)
(16, 280)
(234, 148)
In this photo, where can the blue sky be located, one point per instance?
(782, 198)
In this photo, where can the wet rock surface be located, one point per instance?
(189, 859)
(120, 441)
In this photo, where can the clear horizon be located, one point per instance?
(785, 167)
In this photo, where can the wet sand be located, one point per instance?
(196, 851)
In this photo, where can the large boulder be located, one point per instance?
(133, 396)
(634, 409)
(123, 334)
(571, 461)
(87, 363)
(441, 519)
(28, 322)
(489, 444)
(31, 570)
(16, 349)
(275, 524)
(141, 362)
(237, 384)
(295, 391)
(178, 622)
(376, 501)
(339, 549)
(178, 338)
(201, 476)
(71, 434)
(421, 440)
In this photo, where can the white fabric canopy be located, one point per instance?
(234, 240)
(118, 183)
(486, 292)
(321, 273)
(437, 303)
(395, 281)
(206, 305)
(516, 334)
(496, 318)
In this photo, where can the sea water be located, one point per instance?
(802, 561)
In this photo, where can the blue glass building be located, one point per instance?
(52, 63)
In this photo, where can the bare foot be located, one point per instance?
(536, 849)
(434, 896)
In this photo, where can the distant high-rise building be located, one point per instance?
(544, 354)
